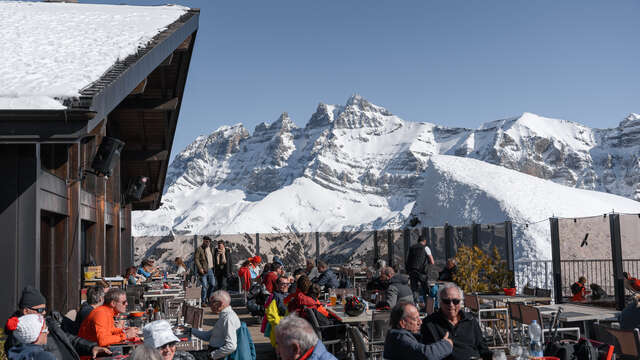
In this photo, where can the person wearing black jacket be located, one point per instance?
(462, 327)
(327, 277)
(448, 271)
(221, 265)
(62, 345)
(417, 266)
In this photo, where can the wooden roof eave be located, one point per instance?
(104, 95)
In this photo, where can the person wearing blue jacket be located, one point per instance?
(403, 339)
(327, 277)
(30, 334)
(298, 341)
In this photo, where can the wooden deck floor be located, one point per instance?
(264, 351)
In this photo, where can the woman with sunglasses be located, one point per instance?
(158, 335)
(468, 341)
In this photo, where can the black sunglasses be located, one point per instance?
(449, 301)
(171, 344)
(40, 310)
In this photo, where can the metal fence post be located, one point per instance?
(555, 256)
(616, 258)
(448, 241)
(317, 247)
(390, 247)
(258, 247)
(376, 250)
(508, 239)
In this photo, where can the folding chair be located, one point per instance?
(360, 347)
(489, 318)
(430, 305)
(530, 313)
(627, 342)
(380, 323)
(332, 336)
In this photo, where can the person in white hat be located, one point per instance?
(158, 335)
(30, 334)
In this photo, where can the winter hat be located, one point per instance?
(276, 259)
(26, 328)
(158, 333)
(256, 259)
(31, 297)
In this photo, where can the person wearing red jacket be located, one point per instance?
(100, 325)
(631, 283)
(244, 274)
(271, 277)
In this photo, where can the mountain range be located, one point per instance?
(357, 167)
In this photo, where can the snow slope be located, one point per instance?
(57, 49)
(464, 191)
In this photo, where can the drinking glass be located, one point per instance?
(515, 349)
(499, 355)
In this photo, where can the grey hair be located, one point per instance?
(113, 295)
(222, 296)
(145, 353)
(388, 271)
(446, 286)
(294, 329)
(95, 294)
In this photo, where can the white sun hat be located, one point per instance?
(158, 333)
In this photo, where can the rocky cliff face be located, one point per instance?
(357, 166)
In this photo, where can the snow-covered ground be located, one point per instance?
(57, 49)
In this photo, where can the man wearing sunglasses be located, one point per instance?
(462, 326)
(100, 325)
(61, 344)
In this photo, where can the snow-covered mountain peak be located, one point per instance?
(632, 120)
(358, 102)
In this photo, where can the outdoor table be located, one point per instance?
(505, 299)
(580, 313)
(155, 294)
(348, 319)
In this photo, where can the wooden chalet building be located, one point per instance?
(58, 211)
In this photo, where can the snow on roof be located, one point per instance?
(51, 51)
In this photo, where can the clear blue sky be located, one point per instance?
(454, 63)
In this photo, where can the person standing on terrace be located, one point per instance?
(417, 266)
(100, 325)
(204, 263)
(221, 264)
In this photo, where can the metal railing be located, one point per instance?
(539, 273)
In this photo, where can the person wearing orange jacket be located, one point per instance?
(100, 325)
(578, 290)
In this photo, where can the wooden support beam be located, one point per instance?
(167, 61)
(140, 88)
(148, 155)
(150, 104)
